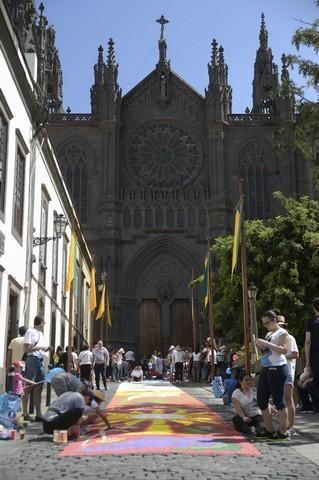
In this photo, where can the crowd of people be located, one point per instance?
(257, 400)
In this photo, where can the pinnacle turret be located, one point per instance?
(105, 93)
(219, 93)
(265, 83)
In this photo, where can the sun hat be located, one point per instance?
(171, 348)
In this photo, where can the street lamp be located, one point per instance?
(60, 224)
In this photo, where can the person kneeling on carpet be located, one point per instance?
(65, 414)
(244, 400)
(92, 410)
(137, 374)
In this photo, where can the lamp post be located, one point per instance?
(60, 224)
(252, 294)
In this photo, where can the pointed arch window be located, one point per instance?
(127, 218)
(170, 218)
(159, 220)
(191, 217)
(137, 218)
(255, 173)
(74, 161)
(148, 218)
(180, 218)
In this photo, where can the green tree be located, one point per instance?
(282, 261)
(304, 133)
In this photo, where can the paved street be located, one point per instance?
(37, 456)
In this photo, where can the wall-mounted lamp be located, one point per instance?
(60, 224)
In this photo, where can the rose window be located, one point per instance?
(163, 156)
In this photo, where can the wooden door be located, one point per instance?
(149, 327)
(181, 324)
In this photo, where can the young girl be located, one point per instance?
(18, 379)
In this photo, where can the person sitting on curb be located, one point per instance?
(247, 412)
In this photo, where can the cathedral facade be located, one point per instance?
(154, 174)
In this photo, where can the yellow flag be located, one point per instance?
(71, 263)
(108, 312)
(101, 309)
(92, 291)
(237, 231)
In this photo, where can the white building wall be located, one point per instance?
(19, 264)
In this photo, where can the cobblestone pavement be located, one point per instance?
(36, 457)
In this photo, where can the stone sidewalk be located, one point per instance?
(36, 456)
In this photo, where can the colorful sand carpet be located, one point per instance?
(156, 417)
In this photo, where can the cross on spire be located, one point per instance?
(162, 20)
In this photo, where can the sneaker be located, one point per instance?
(292, 432)
(265, 435)
(282, 436)
(27, 418)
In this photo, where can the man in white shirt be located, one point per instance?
(34, 347)
(101, 360)
(178, 357)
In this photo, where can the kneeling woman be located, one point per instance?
(244, 400)
(273, 374)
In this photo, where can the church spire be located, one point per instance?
(263, 36)
(265, 83)
(219, 93)
(105, 93)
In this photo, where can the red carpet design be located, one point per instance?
(156, 417)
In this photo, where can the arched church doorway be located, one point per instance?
(149, 327)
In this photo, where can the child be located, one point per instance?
(18, 379)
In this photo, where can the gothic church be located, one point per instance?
(153, 175)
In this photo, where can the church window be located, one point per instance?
(127, 218)
(159, 220)
(191, 217)
(137, 218)
(181, 218)
(255, 174)
(74, 165)
(163, 156)
(148, 218)
(202, 217)
(170, 218)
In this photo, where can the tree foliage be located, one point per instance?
(305, 132)
(282, 261)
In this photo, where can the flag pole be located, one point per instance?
(210, 312)
(193, 313)
(244, 289)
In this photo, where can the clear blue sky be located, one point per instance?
(81, 26)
